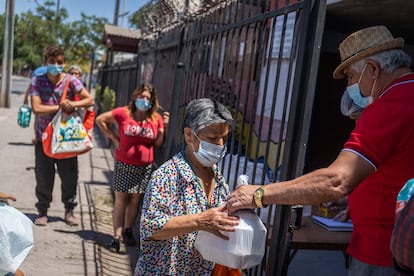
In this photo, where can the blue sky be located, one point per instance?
(100, 8)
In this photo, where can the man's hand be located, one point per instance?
(67, 106)
(242, 198)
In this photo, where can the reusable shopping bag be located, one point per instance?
(245, 247)
(67, 135)
(16, 238)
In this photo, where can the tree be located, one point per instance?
(145, 17)
(46, 26)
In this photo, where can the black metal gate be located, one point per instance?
(260, 59)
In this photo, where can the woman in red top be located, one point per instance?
(140, 128)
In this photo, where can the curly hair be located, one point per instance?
(54, 51)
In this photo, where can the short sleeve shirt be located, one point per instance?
(51, 94)
(384, 137)
(174, 190)
(136, 146)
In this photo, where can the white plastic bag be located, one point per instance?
(16, 238)
(245, 247)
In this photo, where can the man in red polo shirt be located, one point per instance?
(376, 160)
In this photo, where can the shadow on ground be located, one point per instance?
(50, 219)
(20, 144)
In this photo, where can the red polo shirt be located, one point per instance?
(384, 136)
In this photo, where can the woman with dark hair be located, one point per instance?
(140, 128)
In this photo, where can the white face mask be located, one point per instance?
(208, 154)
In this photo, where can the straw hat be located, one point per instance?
(364, 43)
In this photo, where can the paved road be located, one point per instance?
(19, 84)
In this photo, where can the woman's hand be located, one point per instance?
(116, 143)
(166, 118)
(215, 220)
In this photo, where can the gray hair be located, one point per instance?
(201, 113)
(389, 61)
(76, 68)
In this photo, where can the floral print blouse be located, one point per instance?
(174, 190)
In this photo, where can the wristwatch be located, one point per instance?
(258, 197)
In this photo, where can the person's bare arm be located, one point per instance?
(86, 100)
(26, 96)
(213, 220)
(104, 122)
(41, 109)
(332, 183)
(162, 132)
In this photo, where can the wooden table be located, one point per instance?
(313, 237)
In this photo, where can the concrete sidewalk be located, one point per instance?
(60, 249)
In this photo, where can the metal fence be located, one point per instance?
(260, 59)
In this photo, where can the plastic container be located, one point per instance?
(23, 116)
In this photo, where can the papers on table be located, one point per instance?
(333, 225)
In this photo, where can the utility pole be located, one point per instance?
(57, 7)
(7, 64)
(110, 53)
(116, 15)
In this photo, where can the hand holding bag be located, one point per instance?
(245, 247)
(66, 136)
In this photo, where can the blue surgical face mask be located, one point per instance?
(143, 104)
(208, 154)
(348, 107)
(54, 70)
(354, 93)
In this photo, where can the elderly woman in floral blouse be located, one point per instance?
(185, 195)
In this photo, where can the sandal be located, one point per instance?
(115, 243)
(129, 237)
